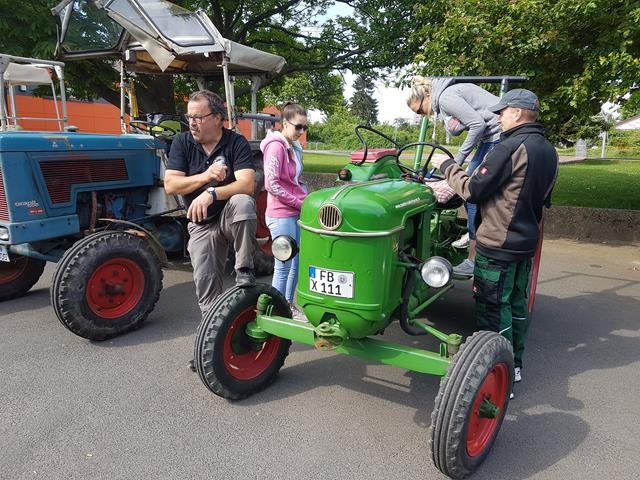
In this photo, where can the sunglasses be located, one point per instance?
(420, 111)
(298, 126)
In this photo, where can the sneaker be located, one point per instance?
(517, 375)
(465, 268)
(462, 242)
(191, 365)
(245, 278)
(510, 395)
(298, 314)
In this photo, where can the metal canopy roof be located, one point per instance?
(155, 36)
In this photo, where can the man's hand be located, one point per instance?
(216, 172)
(438, 159)
(198, 208)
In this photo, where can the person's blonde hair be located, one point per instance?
(420, 87)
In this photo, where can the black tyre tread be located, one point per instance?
(62, 264)
(468, 350)
(262, 263)
(203, 328)
(215, 323)
(72, 273)
(458, 388)
(21, 285)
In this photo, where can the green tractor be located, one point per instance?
(375, 248)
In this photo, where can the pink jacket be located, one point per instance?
(281, 177)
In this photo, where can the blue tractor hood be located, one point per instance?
(23, 141)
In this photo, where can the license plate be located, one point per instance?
(4, 254)
(331, 282)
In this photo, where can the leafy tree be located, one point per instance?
(631, 107)
(371, 34)
(576, 53)
(313, 90)
(363, 105)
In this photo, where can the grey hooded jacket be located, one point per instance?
(464, 106)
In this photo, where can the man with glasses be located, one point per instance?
(510, 186)
(212, 167)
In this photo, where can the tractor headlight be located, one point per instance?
(436, 272)
(284, 248)
(4, 233)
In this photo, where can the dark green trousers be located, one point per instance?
(501, 289)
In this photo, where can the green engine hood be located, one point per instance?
(376, 206)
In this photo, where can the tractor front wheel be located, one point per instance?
(471, 404)
(106, 285)
(18, 275)
(229, 362)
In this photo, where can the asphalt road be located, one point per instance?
(128, 408)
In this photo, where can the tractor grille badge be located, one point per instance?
(330, 216)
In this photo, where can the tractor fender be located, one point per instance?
(139, 231)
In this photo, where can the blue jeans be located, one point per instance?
(285, 274)
(481, 152)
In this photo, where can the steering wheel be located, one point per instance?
(423, 173)
(152, 128)
(364, 141)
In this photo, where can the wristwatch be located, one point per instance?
(212, 191)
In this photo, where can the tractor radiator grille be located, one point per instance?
(4, 210)
(61, 175)
(330, 216)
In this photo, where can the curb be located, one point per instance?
(591, 225)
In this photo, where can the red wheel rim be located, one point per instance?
(533, 284)
(240, 360)
(13, 269)
(480, 430)
(115, 288)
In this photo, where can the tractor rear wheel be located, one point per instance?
(471, 404)
(18, 275)
(228, 361)
(106, 285)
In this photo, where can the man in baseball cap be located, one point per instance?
(510, 187)
(518, 98)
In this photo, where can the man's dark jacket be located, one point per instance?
(510, 186)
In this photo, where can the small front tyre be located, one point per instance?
(471, 404)
(227, 360)
(106, 284)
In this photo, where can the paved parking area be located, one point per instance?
(128, 408)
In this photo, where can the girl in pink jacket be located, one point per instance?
(282, 155)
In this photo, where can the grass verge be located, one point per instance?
(590, 183)
(599, 184)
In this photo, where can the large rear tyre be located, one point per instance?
(229, 362)
(106, 285)
(471, 404)
(18, 275)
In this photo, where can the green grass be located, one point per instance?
(324, 163)
(610, 152)
(599, 184)
(590, 183)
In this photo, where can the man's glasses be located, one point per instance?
(197, 118)
(299, 126)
